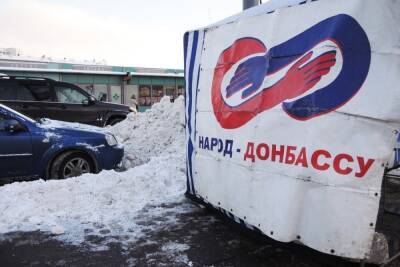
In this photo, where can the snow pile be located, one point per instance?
(159, 130)
(109, 203)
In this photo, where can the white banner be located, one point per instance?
(292, 116)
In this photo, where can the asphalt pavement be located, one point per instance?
(195, 238)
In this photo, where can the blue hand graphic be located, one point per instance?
(248, 76)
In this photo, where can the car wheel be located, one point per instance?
(71, 164)
(114, 121)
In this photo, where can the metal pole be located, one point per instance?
(250, 3)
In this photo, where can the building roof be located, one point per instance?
(17, 63)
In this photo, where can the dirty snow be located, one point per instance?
(90, 147)
(49, 136)
(157, 131)
(110, 204)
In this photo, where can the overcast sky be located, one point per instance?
(123, 32)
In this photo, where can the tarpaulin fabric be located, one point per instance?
(292, 115)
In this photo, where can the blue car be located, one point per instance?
(53, 149)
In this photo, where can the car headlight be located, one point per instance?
(111, 140)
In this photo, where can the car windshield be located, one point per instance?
(69, 95)
(17, 113)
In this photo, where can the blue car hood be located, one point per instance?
(65, 129)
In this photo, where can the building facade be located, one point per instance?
(109, 83)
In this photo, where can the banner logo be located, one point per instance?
(311, 74)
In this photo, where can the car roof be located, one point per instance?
(26, 78)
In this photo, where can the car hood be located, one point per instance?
(114, 106)
(69, 128)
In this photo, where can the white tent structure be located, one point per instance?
(292, 118)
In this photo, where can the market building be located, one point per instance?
(109, 83)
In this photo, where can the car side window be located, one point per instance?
(24, 94)
(8, 90)
(69, 95)
(40, 92)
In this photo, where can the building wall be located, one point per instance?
(146, 89)
(149, 90)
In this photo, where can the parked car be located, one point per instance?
(46, 98)
(53, 149)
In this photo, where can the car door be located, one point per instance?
(75, 104)
(16, 155)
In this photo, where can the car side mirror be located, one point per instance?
(90, 101)
(103, 97)
(14, 126)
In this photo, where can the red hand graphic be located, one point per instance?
(299, 79)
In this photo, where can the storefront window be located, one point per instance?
(157, 93)
(116, 94)
(181, 90)
(144, 95)
(100, 92)
(131, 95)
(170, 91)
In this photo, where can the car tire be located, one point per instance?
(71, 164)
(114, 121)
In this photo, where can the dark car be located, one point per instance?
(46, 98)
(53, 149)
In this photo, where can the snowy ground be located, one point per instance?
(110, 204)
